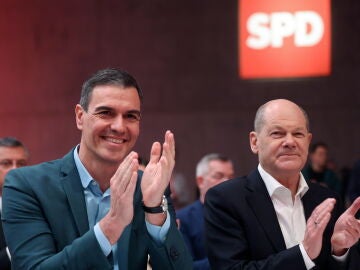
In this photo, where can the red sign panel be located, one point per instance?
(282, 38)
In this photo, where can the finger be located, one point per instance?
(324, 206)
(130, 188)
(354, 207)
(125, 164)
(170, 140)
(320, 211)
(323, 223)
(126, 177)
(354, 225)
(155, 153)
(169, 149)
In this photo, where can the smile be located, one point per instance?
(113, 140)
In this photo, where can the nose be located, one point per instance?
(118, 125)
(289, 141)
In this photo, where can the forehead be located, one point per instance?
(219, 165)
(285, 116)
(115, 96)
(12, 152)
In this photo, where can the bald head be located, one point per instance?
(276, 105)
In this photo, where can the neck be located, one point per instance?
(101, 172)
(202, 198)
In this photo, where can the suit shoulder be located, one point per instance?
(189, 210)
(236, 184)
(321, 191)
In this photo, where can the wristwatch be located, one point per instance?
(162, 208)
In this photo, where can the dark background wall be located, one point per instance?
(184, 54)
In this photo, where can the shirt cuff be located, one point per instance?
(102, 240)
(341, 258)
(8, 253)
(308, 262)
(158, 233)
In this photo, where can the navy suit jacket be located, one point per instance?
(46, 225)
(242, 230)
(192, 228)
(4, 259)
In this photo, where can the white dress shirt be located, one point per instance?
(289, 212)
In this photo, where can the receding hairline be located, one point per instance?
(260, 113)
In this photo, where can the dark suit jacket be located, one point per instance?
(46, 225)
(4, 259)
(243, 232)
(192, 228)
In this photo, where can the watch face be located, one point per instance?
(164, 204)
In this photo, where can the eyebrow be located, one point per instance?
(106, 108)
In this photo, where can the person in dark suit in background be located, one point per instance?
(13, 154)
(93, 208)
(273, 218)
(211, 170)
(354, 183)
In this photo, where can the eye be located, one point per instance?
(132, 117)
(21, 163)
(299, 135)
(104, 114)
(276, 134)
(5, 163)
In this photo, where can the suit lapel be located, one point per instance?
(261, 204)
(74, 192)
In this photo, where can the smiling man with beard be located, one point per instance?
(273, 218)
(93, 209)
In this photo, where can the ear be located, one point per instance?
(253, 142)
(79, 113)
(309, 137)
(199, 181)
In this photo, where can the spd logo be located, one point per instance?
(281, 38)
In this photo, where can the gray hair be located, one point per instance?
(203, 165)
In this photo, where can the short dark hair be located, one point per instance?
(12, 142)
(315, 146)
(108, 76)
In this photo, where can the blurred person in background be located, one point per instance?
(353, 190)
(13, 154)
(317, 171)
(211, 170)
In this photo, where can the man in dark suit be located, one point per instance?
(13, 154)
(211, 170)
(272, 218)
(93, 209)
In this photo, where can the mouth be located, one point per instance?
(288, 155)
(114, 140)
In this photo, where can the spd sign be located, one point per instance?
(282, 38)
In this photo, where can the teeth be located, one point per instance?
(114, 140)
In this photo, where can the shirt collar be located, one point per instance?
(272, 185)
(85, 177)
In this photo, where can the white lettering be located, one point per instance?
(303, 38)
(270, 30)
(257, 25)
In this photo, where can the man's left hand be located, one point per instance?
(157, 173)
(347, 230)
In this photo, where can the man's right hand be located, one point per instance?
(315, 227)
(122, 186)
